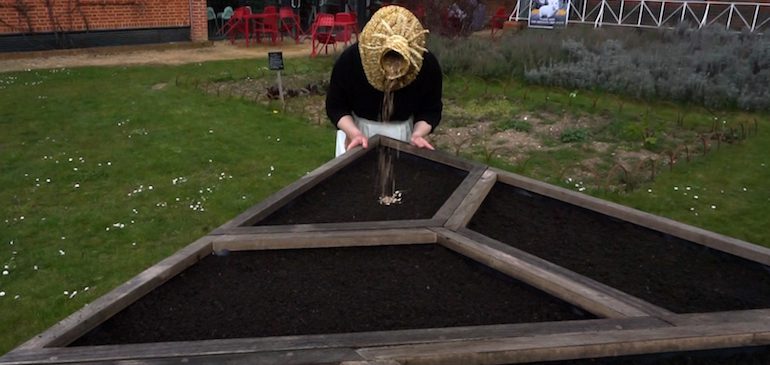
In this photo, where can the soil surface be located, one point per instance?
(334, 290)
(351, 194)
(672, 273)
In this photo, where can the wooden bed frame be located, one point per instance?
(628, 325)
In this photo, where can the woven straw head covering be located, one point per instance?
(391, 47)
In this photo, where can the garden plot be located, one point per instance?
(351, 195)
(673, 273)
(329, 290)
(420, 290)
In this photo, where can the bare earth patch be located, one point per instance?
(166, 54)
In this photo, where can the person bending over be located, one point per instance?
(387, 83)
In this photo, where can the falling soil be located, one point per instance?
(351, 194)
(386, 183)
(332, 290)
(386, 180)
(672, 273)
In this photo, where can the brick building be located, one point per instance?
(46, 24)
(49, 24)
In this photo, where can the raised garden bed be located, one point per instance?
(667, 271)
(351, 194)
(332, 290)
(296, 280)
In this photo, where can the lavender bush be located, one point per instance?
(710, 67)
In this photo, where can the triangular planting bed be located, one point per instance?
(342, 194)
(477, 266)
(263, 293)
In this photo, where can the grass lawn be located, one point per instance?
(106, 171)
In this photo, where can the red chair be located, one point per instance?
(270, 9)
(238, 24)
(346, 25)
(323, 34)
(498, 20)
(267, 24)
(290, 23)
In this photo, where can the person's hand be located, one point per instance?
(421, 142)
(421, 129)
(358, 140)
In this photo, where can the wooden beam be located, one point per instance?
(272, 241)
(646, 307)
(563, 284)
(701, 236)
(433, 155)
(309, 342)
(467, 208)
(305, 183)
(575, 345)
(326, 227)
(459, 195)
(84, 320)
(302, 357)
(692, 319)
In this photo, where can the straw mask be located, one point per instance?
(391, 46)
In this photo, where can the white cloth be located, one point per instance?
(400, 130)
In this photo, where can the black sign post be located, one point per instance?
(275, 62)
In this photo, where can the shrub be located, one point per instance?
(570, 135)
(711, 67)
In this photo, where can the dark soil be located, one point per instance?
(352, 195)
(737, 356)
(670, 272)
(334, 290)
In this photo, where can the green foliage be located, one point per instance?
(570, 135)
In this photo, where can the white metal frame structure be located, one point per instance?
(738, 16)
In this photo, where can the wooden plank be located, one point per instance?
(323, 239)
(82, 321)
(327, 227)
(562, 284)
(575, 345)
(647, 307)
(465, 211)
(692, 319)
(305, 183)
(701, 236)
(303, 357)
(435, 155)
(295, 343)
(459, 195)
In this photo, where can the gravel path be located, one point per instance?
(170, 54)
